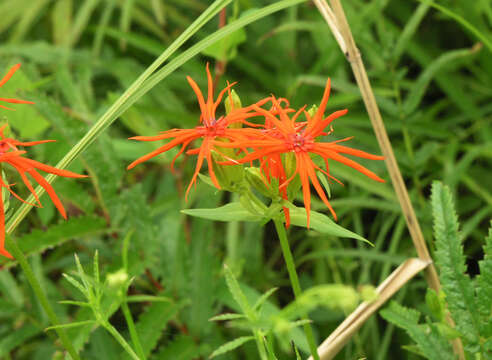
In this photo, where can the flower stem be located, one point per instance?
(110, 328)
(259, 344)
(41, 296)
(133, 331)
(294, 280)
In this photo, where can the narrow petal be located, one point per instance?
(164, 148)
(306, 191)
(199, 95)
(359, 153)
(49, 189)
(15, 101)
(333, 155)
(314, 180)
(11, 72)
(49, 169)
(198, 166)
(29, 143)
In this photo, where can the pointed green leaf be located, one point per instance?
(231, 212)
(231, 345)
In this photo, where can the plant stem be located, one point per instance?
(294, 280)
(259, 345)
(131, 328)
(41, 296)
(120, 339)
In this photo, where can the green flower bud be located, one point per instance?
(117, 278)
(230, 177)
(368, 293)
(312, 110)
(232, 102)
(255, 178)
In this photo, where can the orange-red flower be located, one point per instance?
(209, 129)
(6, 78)
(10, 154)
(287, 135)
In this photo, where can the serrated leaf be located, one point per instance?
(429, 340)
(484, 287)
(237, 293)
(451, 262)
(151, 324)
(40, 240)
(231, 345)
(181, 348)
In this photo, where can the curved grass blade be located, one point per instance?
(112, 113)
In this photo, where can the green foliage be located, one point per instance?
(466, 301)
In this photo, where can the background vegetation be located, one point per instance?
(433, 83)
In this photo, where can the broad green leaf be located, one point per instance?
(226, 48)
(231, 212)
(321, 223)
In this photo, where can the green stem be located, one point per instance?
(294, 280)
(120, 339)
(232, 237)
(132, 329)
(41, 296)
(259, 345)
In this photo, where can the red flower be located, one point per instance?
(210, 129)
(10, 154)
(6, 78)
(287, 135)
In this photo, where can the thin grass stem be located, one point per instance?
(294, 280)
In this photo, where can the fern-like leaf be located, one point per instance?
(484, 288)
(450, 259)
(430, 342)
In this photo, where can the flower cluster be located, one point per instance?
(11, 155)
(279, 136)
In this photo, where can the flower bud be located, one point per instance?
(232, 102)
(229, 176)
(312, 110)
(255, 178)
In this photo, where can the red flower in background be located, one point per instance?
(10, 154)
(210, 129)
(6, 78)
(287, 135)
